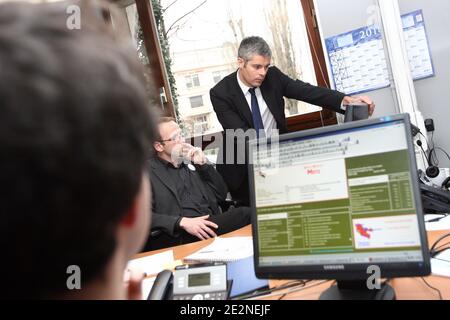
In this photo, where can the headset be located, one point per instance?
(432, 170)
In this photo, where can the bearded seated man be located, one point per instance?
(186, 191)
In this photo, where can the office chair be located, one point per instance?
(227, 204)
(155, 233)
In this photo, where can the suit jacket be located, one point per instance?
(234, 112)
(166, 205)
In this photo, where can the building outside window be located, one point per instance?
(204, 47)
(192, 81)
(200, 124)
(218, 75)
(196, 101)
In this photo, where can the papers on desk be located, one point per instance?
(224, 249)
(242, 272)
(440, 265)
(153, 264)
(442, 224)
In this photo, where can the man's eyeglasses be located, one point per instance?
(176, 137)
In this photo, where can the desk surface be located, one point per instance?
(405, 288)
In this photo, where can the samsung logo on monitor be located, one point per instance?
(334, 267)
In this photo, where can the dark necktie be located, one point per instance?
(256, 115)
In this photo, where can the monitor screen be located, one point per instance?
(330, 202)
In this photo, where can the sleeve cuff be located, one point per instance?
(203, 167)
(176, 226)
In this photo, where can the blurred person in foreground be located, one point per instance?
(75, 131)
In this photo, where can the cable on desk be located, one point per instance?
(282, 296)
(304, 288)
(444, 215)
(435, 249)
(435, 289)
(265, 292)
(275, 289)
(446, 245)
(271, 293)
(380, 293)
(259, 293)
(286, 293)
(448, 261)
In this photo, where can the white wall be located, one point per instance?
(341, 16)
(432, 93)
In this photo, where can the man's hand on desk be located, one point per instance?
(199, 227)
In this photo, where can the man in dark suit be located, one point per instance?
(187, 193)
(252, 99)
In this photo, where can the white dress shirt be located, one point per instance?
(267, 117)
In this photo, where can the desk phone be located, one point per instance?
(192, 282)
(200, 282)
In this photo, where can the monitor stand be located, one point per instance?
(357, 290)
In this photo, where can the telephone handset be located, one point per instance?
(162, 286)
(195, 282)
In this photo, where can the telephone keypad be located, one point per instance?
(202, 296)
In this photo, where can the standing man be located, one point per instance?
(187, 192)
(253, 98)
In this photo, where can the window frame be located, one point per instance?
(202, 123)
(159, 81)
(219, 74)
(192, 81)
(195, 97)
(295, 123)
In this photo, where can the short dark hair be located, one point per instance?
(162, 120)
(75, 134)
(251, 46)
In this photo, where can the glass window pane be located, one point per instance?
(133, 26)
(196, 101)
(204, 37)
(133, 21)
(192, 81)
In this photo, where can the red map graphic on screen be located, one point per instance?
(364, 232)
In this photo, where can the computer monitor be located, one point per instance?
(329, 203)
